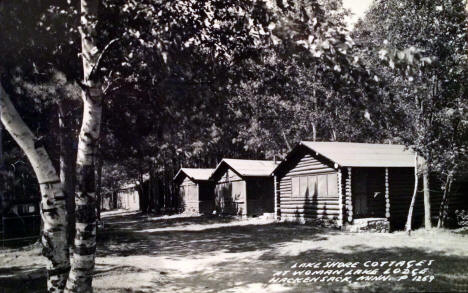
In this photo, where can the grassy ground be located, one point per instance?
(189, 254)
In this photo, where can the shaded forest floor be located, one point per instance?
(137, 253)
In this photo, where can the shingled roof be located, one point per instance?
(347, 154)
(195, 173)
(249, 168)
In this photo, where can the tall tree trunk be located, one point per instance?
(143, 197)
(67, 165)
(2, 169)
(444, 203)
(53, 202)
(333, 135)
(82, 264)
(286, 140)
(314, 131)
(99, 184)
(413, 198)
(427, 197)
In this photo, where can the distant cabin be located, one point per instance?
(196, 190)
(353, 185)
(128, 197)
(244, 187)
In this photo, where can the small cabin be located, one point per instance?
(355, 186)
(244, 187)
(196, 190)
(128, 197)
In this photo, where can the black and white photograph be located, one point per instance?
(233, 146)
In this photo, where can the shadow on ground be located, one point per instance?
(22, 279)
(124, 237)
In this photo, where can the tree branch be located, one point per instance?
(99, 60)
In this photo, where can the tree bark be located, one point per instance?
(99, 184)
(413, 198)
(314, 131)
(53, 201)
(82, 263)
(286, 140)
(443, 204)
(2, 169)
(427, 197)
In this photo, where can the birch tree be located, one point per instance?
(82, 262)
(53, 206)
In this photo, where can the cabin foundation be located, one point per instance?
(379, 225)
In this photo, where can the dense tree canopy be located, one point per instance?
(430, 99)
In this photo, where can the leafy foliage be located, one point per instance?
(423, 48)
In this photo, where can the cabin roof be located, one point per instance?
(347, 154)
(195, 173)
(249, 168)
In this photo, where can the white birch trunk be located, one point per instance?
(413, 198)
(427, 198)
(82, 262)
(443, 204)
(314, 131)
(53, 204)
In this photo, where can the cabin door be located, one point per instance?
(359, 191)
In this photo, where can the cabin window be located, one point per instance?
(332, 183)
(237, 190)
(295, 186)
(322, 185)
(315, 185)
(303, 187)
(312, 183)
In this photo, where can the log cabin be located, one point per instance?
(244, 187)
(354, 186)
(196, 190)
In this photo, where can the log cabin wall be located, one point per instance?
(260, 196)
(230, 194)
(308, 189)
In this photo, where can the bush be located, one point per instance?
(461, 218)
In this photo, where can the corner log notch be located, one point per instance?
(340, 198)
(349, 200)
(387, 196)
